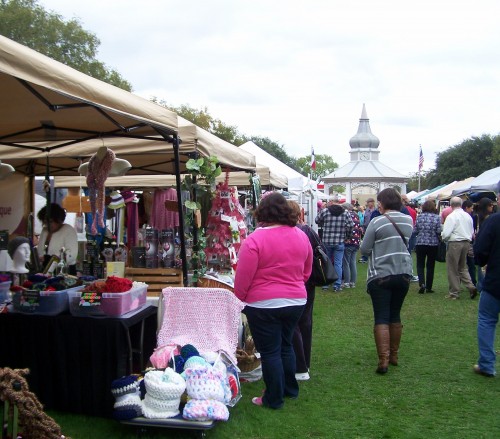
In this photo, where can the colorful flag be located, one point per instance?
(313, 160)
(421, 159)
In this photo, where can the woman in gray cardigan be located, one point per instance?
(389, 273)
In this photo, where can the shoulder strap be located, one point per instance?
(398, 229)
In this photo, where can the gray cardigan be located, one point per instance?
(387, 252)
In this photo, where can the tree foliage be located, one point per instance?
(324, 165)
(469, 158)
(28, 23)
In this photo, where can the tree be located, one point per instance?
(28, 23)
(324, 165)
(467, 159)
(276, 150)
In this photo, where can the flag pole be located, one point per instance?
(419, 166)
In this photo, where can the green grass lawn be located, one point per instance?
(431, 394)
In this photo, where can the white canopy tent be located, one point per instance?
(486, 182)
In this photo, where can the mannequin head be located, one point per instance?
(19, 250)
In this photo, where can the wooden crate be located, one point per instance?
(156, 278)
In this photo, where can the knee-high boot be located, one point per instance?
(382, 341)
(395, 330)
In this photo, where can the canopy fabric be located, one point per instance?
(486, 182)
(446, 193)
(239, 179)
(422, 195)
(45, 100)
(296, 181)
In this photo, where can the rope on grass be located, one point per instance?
(33, 421)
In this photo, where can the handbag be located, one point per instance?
(323, 271)
(441, 252)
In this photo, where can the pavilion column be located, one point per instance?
(348, 192)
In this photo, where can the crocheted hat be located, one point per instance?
(128, 403)
(188, 351)
(205, 383)
(163, 393)
(117, 200)
(205, 410)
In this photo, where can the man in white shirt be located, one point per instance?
(457, 233)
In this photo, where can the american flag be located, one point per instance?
(313, 160)
(421, 159)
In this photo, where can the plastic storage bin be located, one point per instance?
(112, 304)
(5, 291)
(51, 303)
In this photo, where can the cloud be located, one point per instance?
(299, 72)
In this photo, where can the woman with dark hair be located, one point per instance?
(428, 230)
(389, 273)
(274, 262)
(57, 237)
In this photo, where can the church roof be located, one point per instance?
(363, 170)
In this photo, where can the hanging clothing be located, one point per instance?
(161, 218)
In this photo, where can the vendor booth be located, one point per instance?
(54, 120)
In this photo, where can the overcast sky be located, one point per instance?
(299, 72)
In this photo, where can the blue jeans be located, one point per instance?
(487, 319)
(349, 264)
(336, 254)
(388, 294)
(272, 331)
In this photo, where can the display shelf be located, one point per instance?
(156, 278)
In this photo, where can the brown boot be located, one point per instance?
(395, 336)
(382, 340)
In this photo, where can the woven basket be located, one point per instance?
(247, 362)
(205, 282)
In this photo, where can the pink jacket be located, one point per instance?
(273, 263)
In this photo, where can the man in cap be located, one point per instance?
(487, 252)
(337, 225)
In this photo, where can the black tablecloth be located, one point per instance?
(73, 360)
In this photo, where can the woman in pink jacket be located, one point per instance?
(274, 263)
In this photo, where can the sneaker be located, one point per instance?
(302, 376)
(257, 401)
(477, 370)
(353, 285)
(451, 296)
(414, 279)
(362, 261)
(429, 291)
(421, 290)
(348, 285)
(337, 289)
(325, 287)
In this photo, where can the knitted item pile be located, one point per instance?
(209, 390)
(163, 393)
(185, 319)
(128, 402)
(97, 173)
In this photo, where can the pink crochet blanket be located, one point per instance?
(207, 318)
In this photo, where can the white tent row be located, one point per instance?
(488, 181)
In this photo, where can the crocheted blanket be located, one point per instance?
(207, 318)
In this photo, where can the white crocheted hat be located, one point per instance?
(163, 393)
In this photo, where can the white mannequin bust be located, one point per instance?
(20, 251)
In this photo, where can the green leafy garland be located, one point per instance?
(203, 172)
